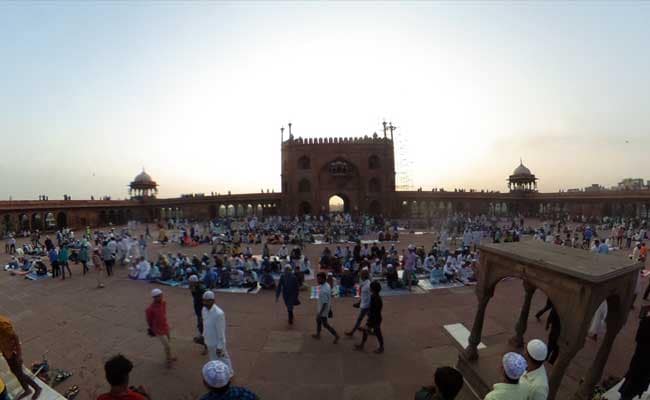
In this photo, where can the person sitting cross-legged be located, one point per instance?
(437, 275)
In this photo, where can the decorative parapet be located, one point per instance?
(375, 139)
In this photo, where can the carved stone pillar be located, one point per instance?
(522, 324)
(560, 366)
(471, 352)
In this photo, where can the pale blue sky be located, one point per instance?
(196, 91)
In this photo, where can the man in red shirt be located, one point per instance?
(157, 321)
(117, 371)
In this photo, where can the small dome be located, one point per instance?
(143, 177)
(522, 170)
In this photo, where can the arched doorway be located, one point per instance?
(61, 220)
(338, 203)
(50, 221)
(37, 221)
(24, 222)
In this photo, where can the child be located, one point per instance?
(373, 324)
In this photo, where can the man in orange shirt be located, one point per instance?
(12, 352)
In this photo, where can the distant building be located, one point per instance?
(595, 188)
(143, 187)
(631, 184)
(522, 180)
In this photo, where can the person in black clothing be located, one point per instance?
(48, 243)
(289, 287)
(197, 290)
(553, 322)
(637, 377)
(373, 324)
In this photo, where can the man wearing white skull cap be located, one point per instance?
(513, 366)
(214, 330)
(216, 378)
(535, 379)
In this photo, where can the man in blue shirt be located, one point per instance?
(54, 261)
(216, 378)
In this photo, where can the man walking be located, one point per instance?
(289, 287)
(64, 264)
(364, 304)
(324, 308)
(373, 326)
(157, 320)
(197, 290)
(214, 330)
(108, 255)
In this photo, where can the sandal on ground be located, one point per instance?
(72, 392)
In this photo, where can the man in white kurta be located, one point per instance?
(214, 330)
(535, 378)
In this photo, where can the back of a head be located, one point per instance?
(117, 370)
(448, 381)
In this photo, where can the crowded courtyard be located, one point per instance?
(77, 326)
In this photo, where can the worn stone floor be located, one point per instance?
(79, 327)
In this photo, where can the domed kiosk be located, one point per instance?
(143, 186)
(522, 180)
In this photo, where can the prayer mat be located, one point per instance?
(237, 290)
(170, 282)
(425, 284)
(387, 292)
(308, 277)
(32, 276)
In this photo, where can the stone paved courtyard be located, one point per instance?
(79, 327)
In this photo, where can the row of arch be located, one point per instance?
(34, 221)
(626, 209)
(116, 217)
(430, 208)
(242, 210)
(374, 162)
(374, 185)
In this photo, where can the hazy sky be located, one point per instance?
(196, 92)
